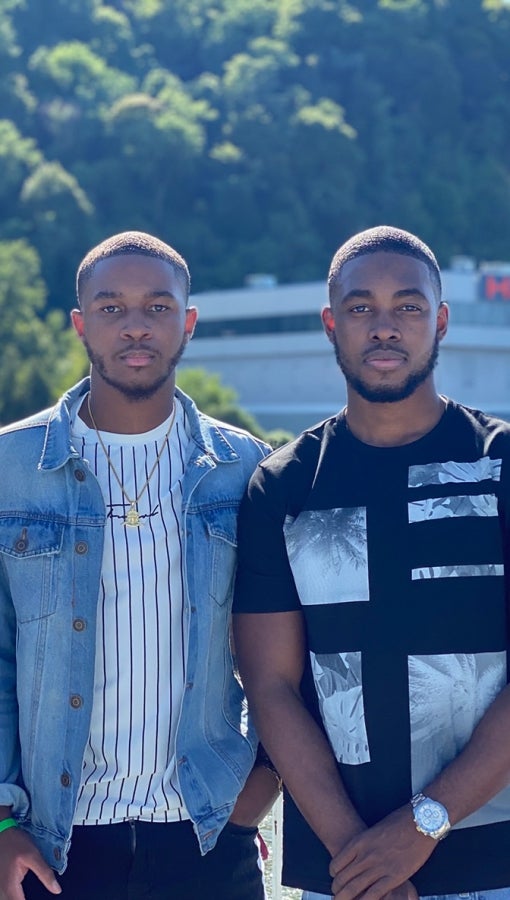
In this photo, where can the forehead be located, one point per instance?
(381, 271)
(133, 274)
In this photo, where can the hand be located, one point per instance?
(405, 891)
(19, 855)
(379, 861)
(256, 798)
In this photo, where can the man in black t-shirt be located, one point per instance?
(371, 606)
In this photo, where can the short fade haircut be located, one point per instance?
(383, 239)
(137, 243)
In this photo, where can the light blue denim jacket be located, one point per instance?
(52, 518)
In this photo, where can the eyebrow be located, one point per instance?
(360, 294)
(116, 295)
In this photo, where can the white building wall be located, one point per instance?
(291, 379)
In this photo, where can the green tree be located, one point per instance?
(75, 89)
(222, 402)
(19, 157)
(149, 178)
(38, 355)
(255, 135)
(14, 96)
(58, 215)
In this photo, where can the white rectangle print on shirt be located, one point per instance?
(338, 682)
(432, 509)
(439, 730)
(327, 551)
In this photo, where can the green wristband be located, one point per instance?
(7, 823)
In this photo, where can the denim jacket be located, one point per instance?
(52, 519)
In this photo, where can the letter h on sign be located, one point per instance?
(495, 287)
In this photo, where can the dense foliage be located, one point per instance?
(253, 135)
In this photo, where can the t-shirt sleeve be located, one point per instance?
(504, 508)
(264, 581)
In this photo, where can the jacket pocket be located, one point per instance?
(30, 547)
(221, 525)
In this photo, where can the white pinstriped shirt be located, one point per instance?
(129, 766)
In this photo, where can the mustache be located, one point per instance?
(137, 347)
(384, 348)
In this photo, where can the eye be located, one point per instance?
(359, 308)
(159, 307)
(410, 307)
(110, 308)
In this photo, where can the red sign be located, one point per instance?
(495, 287)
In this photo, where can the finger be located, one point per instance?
(45, 875)
(375, 891)
(348, 889)
(343, 859)
(362, 871)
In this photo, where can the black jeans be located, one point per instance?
(156, 861)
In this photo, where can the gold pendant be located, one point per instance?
(132, 517)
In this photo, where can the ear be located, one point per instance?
(77, 320)
(190, 322)
(328, 321)
(443, 315)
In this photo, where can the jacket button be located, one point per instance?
(79, 625)
(79, 474)
(65, 779)
(76, 701)
(81, 547)
(57, 854)
(22, 543)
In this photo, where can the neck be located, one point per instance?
(393, 424)
(114, 412)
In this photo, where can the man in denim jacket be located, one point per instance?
(123, 728)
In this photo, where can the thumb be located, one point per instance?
(46, 876)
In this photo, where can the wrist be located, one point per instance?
(430, 817)
(7, 823)
(262, 761)
(337, 842)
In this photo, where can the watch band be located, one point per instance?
(430, 816)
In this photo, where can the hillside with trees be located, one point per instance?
(253, 135)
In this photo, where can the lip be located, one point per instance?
(385, 360)
(137, 358)
(385, 365)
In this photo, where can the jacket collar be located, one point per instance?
(205, 432)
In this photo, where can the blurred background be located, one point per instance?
(254, 136)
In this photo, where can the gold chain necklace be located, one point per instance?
(132, 517)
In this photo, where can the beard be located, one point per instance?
(388, 393)
(135, 393)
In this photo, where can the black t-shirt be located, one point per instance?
(395, 557)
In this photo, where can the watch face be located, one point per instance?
(430, 816)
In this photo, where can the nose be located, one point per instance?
(136, 326)
(384, 327)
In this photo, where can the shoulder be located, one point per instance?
(284, 478)
(22, 447)
(222, 442)
(228, 441)
(301, 453)
(39, 422)
(491, 433)
(28, 426)
(237, 437)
